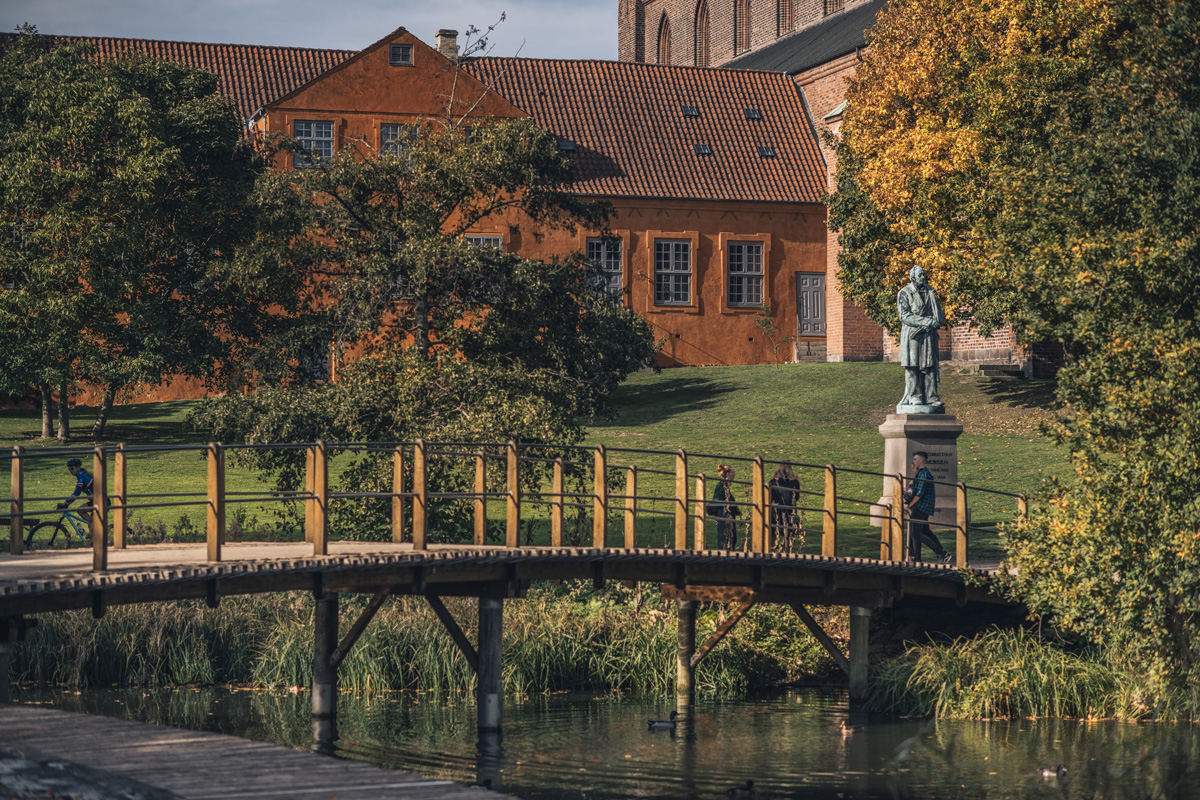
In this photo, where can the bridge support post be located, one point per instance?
(5, 652)
(324, 674)
(685, 672)
(860, 630)
(490, 695)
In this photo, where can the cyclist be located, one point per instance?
(83, 482)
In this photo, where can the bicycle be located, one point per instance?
(54, 533)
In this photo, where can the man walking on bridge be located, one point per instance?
(921, 498)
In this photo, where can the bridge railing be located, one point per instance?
(620, 489)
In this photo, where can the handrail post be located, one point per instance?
(681, 499)
(215, 516)
(556, 504)
(397, 494)
(899, 518)
(631, 485)
(99, 510)
(321, 504)
(310, 484)
(962, 532)
(120, 516)
(512, 523)
(421, 490)
(698, 543)
(758, 528)
(480, 499)
(600, 498)
(829, 521)
(16, 509)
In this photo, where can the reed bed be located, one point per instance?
(562, 637)
(1011, 674)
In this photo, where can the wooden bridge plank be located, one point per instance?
(208, 766)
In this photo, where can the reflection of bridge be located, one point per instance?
(549, 495)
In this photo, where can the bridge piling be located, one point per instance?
(490, 695)
(324, 674)
(685, 671)
(860, 640)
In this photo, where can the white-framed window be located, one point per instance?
(316, 137)
(744, 274)
(396, 137)
(400, 55)
(672, 272)
(484, 240)
(607, 254)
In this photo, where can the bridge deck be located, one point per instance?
(50, 581)
(135, 758)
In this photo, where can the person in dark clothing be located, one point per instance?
(83, 482)
(785, 496)
(920, 499)
(724, 509)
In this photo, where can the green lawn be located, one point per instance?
(805, 413)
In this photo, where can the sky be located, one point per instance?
(532, 28)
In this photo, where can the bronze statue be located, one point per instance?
(920, 318)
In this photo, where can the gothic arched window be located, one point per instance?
(700, 46)
(786, 17)
(741, 26)
(664, 41)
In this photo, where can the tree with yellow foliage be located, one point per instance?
(1041, 159)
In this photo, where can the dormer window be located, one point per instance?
(400, 55)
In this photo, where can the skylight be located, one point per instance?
(752, 114)
(704, 149)
(566, 145)
(766, 151)
(690, 111)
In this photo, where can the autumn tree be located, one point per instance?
(1039, 158)
(125, 191)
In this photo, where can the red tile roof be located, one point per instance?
(251, 75)
(632, 139)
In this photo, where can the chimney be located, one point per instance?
(447, 43)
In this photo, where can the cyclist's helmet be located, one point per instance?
(74, 462)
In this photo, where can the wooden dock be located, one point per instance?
(154, 762)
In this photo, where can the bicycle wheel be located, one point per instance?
(50, 535)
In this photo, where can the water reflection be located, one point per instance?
(789, 745)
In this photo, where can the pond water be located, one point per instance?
(789, 744)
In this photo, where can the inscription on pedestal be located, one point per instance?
(937, 435)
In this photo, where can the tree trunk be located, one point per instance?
(64, 409)
(47, 429)
(110, 397)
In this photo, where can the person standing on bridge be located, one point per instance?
(724, 508)
(920, 499)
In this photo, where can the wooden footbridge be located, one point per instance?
(484, 520)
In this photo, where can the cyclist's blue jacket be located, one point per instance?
(83, 484)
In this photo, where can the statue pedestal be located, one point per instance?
(905, 434)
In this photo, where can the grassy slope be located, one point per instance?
(806, 413)
(830, 413)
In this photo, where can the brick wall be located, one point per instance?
(963, 343)
(638, 23)
(851, 336)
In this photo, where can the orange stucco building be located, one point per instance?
(715, 176)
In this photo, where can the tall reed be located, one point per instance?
(1006, 674)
